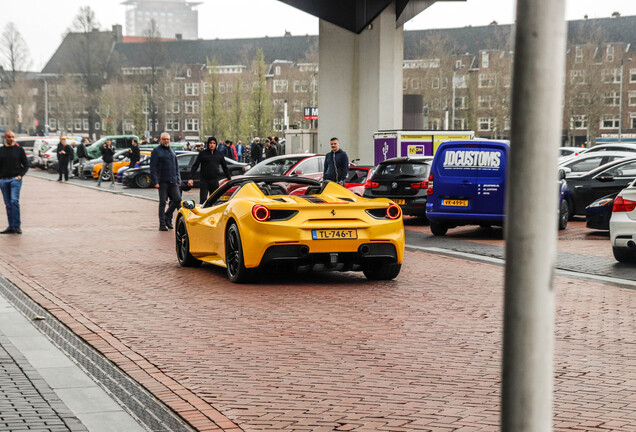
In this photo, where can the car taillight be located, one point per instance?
(393, 211)
(420, 185)
(371, 184)
(260, 213)
(430, 185)
(47, 156)
(623, 205)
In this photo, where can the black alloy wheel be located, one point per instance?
(182, 243)
(236, 271)
(142, 181)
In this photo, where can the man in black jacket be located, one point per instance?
(134, 154)
(13, 167)
(107, 163)
(63, 158)
(336, 163)
(82, 155)
(164, 174)
(211, 161)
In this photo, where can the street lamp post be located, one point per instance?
(620, 99)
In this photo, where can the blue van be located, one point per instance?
(467, 186)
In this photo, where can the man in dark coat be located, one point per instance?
(13, 167)
(336, 163)
(212, 162)
(63, 157)
(83, 157)
(134, 154)
(107, 151)
(164, 174)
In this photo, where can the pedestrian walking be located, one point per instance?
(270, 149)
(231, 150)
(164, 174)
(133, 154)
(107, 163)
(13, 166)
(240, 151)
(71, 157)
(336, 163)
(62, 159)
(82, 156)
(212, 162)
(256, 150)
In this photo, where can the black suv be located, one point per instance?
(403, 180)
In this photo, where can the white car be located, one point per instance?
(566, 153)
(577, 166)
(623, 225)
(621, 146)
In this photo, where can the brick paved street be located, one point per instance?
(320, 353)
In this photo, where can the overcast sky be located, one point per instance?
(42, 22)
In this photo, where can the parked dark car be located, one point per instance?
(604, 180)
(598, 214)
(140, 176)
(403, 180)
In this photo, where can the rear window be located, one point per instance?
(402, 169)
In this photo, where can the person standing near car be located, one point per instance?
(212, 162)
(134, 153)
(107, 163)
(336, 163)
(270, 149)
(71, 157)
(164, 174)
(62, 159)
(13, 166)
(82, 156)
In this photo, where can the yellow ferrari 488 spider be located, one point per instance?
(290, 223)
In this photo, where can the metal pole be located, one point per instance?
(453, 102)
(46, 108)
(531, 218)
(620, 100)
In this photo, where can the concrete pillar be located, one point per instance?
(360, 88)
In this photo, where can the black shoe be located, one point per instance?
(169, 226)
(163, 228)
(18, 230)
(8, 231)
(59, 179)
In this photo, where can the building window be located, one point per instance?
(128, 125)
(460, 102)
(153, 125)
(578, 121)
(578, 56)
(632, 120)
(460, 124)
(485, 60)
(189, 73)
(435, 124)
(191, 125)
(98, 125)
(486, 124)
(577, 76)
(582, 99)
(280, 86)
(172, 124)
(485, 101)
(192, 107)
(435, 83)
(611, 76)
(229, 87)
(277, 70)
(609, 122)
(85, 124)
(52, 124)
(611, 98)
(297, 106)
(487, 80)
(192, 89)
(78, 124)
(609, 53)
(631, 98)
(632, 75)
(458, 64)
(415, 83)
(221, 87)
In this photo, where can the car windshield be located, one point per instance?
(274, 166)
(402, 169)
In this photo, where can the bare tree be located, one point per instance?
(15, 52)
(260, 112)
(155, 57)
(214, 118)
(237, 125)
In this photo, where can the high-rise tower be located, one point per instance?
(172, 17)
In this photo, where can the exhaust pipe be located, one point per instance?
(303, 250)
(365, 249)
(631, 244)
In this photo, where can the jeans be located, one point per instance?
(106, 166)
(80, 167)
(11, 194)
(206, 188)
(168, 190)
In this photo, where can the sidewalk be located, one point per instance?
(42, 389)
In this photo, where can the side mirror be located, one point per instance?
(605, 178)
(188, 204)
(562, 173)
(298, 173)
(120, 157)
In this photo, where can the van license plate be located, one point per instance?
(337, 234)
(399, 201)
(455, 203)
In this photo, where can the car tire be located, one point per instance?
(383, 270)
(182, 244)
(234, 261)
(438, 229)
(564, 215)
(105, 174)
(624, 255)
(142, 181)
